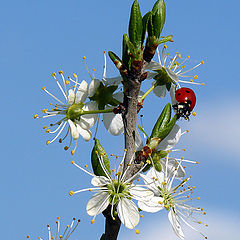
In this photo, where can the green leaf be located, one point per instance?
(116, 60)
(135, 28)
(159, 16)
(145, 24)
(150, 27)
(162, 121)
(164, 132)
(126, 59)
(99, 152)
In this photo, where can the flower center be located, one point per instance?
(168, 199)
(117, 190)
(75, 111)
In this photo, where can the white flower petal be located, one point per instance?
(113, 123)
(99, 181)
(154, 66)
(172, 75)
(93, 87)
(171, 140)
(140, 193)
(85, 133)
(88, 120)
(98, 203)
(175, 224)
(74, 131)
(160, 91)
(82, 92)
(128, 213)
(154, 205)
(172, 166)
(114, 81)
(153, 174)
(118, 96)
(172, 94)
(71, 96)
(151, 75)
(150, 183)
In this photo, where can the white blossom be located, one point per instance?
(117, 191)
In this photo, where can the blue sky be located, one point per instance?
(39, 37)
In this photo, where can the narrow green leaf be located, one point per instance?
(126, 59)
(135, 28)
(143, 131)
(159, 16)
(99, 152)
(162, 121)
(168, 127)
(145, 24)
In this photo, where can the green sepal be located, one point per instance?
(98, 151)
(104, 96)
(162, 121)
(159, 16)
(150, 27)
(167, 129)
(126, 60)
(145, 24)
(135, 28)
(162, 77)
(168, 38)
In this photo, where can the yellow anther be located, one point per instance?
(48, 131)
(60, 72)
(201, 209)
(66, 148)
(169, 151)
(129, 164)
(199, 222)
(113, 170)
(67, 82)
(84, 57)
(125, 150)
(86, 165)
(135, 150)
(52, 237)
(142, 163)
(72, 152)
(57, 218)
(137, 231)
(28, 237)
(39, 238)
(191, 80)
(35, 116)
(203, 84)
(75, 75)
(182, 158)
(60, 236)
(160, 202)
(165, 46)
(110, 154)
(183, 66)
(72, 162)
(113, 218)
(117, 157)
(188, 57)
(194, 114)
(204, 213)
(43, 88)
(47, 142)
(202, 62)
(148, 162)
(121, 165)
(177, 52)
(187, 131)
(164, 183)
(71, 193)
(94, 69)
(197, 162)
(53, 74)
(188, 196)
(44, 110)
(96, 152)
(89, 189)
(206, 225)
(179, 56)
(198, 198)
(138, 179)
(141, 216)
(190, 176)
(92, 221)
(67, 226)
(167, 54)
(195, 77)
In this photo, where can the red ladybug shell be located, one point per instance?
(183, 95)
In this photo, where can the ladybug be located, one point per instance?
(186, 100)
